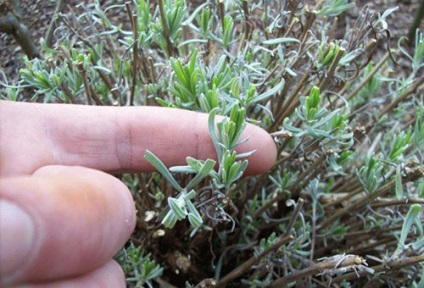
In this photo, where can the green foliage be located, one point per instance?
(336, 8)
(412, 218)
(185, 86)
(139, 268)
(168, 27)
(327, 54)
(181, 206)
(370, 175)
(349, 134)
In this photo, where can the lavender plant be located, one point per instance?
(342, 204)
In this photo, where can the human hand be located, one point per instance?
(61, 218)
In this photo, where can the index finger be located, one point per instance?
(112, 139)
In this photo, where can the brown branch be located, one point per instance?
(325, 80)
(68, 93)
(382, 191)
(321, 267)
(134, 67)
(165, 28)
(11, 23)
(95, 97)
(81, 69)
(251, 261)
(291, 103)
(293, 218)
(397, 202)
(221, 13)
(391, 266)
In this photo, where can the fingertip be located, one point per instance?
(95, 177)
(265, 149)
(109, 275)
(16, 238)
(82, 218)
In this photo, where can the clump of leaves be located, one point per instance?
(140, 269)
(343, 203)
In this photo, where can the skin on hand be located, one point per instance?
(66, 217)
(77, 219)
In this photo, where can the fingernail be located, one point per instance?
(16, 237)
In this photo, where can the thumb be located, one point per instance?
(61, 222)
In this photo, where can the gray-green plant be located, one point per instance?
(139, 268)
(343, 203)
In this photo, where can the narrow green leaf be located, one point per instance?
(177, 207)
(196, 164)
(349, 57)
(203, 173)
(411, 218)
(190, 195)
(418, 245)
(282, 40)
(193, 14)
(169, 220)
(192, 41)
(193, 215)
(195, 221)
(398, 179)
(212, 132)
(183, 169)
(270, 92)
(152, 159)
